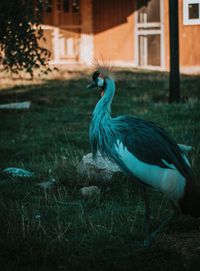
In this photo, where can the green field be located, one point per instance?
(57, 229)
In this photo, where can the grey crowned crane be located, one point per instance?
(143, 151)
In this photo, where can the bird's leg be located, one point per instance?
(176, 209)
(176, 212)
(156, 232)
(147, 216)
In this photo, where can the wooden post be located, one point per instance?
(56, 45)
(174, 84)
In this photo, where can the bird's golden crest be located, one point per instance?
(104, 68)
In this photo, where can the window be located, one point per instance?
(59, 5)
(150, 12)
(75, 6)
(191, 12)
(66, 5)
(71, 6)
(42, 6)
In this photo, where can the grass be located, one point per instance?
(56, 229)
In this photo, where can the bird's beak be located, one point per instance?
(92, 85)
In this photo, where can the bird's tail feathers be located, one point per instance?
(190, 202)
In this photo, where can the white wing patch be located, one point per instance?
(167, 180)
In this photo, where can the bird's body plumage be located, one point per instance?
(141, 149)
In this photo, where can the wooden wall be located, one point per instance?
(189, 40)
(113, 26)
(107, 31)
(189, 36)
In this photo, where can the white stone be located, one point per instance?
(17, 106)
(99, 169)
(18, 172)
(89, 191)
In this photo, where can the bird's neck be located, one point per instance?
(101, 118)
(104, 104)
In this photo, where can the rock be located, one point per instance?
(18, 106)
(89, 191)
(101, 169)
(18, 172)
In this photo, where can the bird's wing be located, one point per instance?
(152, 145)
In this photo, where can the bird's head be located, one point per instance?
(98, 80)
(100, 76)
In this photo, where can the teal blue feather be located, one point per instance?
(145, 140)
(103, 132)
(143, 150)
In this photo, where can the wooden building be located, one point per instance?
(132, 33)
